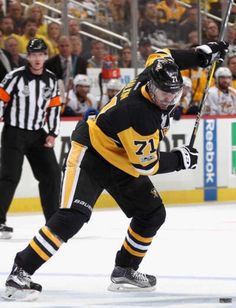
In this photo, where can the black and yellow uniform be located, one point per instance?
(30, 101)
(117, 151)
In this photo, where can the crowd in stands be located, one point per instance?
(161, 24)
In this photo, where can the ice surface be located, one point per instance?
(193, 256)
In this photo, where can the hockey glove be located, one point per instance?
(188, 157)
(212, 51)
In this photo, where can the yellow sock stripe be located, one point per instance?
(51, 236)
(139, 237)
(133, 252)
(39, 251)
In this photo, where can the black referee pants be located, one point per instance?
(15, 144)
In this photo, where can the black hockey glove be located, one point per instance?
(212, 51)
(188, 157)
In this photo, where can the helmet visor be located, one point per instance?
(162, 98)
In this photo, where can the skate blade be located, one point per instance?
(13, 294)
(5, 235)
(123, 287)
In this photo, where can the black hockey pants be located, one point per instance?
(86, 175)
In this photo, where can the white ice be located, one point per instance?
(193, 256)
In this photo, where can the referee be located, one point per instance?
(29, 99)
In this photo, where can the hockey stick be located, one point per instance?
(210, 75)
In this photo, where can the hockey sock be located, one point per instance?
(133, 249)
(61, 227)
(139, 237)
(39, 250)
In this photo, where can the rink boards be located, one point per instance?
(213, 180)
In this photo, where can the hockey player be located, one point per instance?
(118, 151)
(113, 87)
(221, 98)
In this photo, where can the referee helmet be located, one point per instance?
(37, 45)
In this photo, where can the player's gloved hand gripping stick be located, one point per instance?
(214, 52)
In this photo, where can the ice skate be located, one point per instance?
(5, 232)
(127, 279)
(19, 286)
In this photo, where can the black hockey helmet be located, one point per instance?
(165, 83)
(37, 45)
(166, 76)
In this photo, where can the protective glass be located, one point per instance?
(164, 99)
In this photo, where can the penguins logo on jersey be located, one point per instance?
(147, 158)
(155, 193)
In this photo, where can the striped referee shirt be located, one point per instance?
(30, 101)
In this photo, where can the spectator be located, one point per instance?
(74, 29)
(117, 12)
(172, 13)
(113, 87)
(30, 32)
(144, 50)
(98, 51)
(102, 18)
(80, 100)
(231, 38)
(211, 33)
(15, 11)
(198, 77)
(173, 10)
(188, 24)
(76, 51)
(5, 60)
(12, 46)
(57, 4)
(65, 65)
(185, 100)
(215, 7)
(221, 98)
(149, 23)
(7, 27)
(54, 32)
(232, 66)
(192, 39)
(76, 44)
(78, 11)
(125, 60)
(35, 12)
(1, 9)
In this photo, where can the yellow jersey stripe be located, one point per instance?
(107, 148)
(51, 236)
(39, 251)
(139, 237)
(72, 172)
(133, 252)
(145, 93)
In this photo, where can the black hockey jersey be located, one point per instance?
(128, 130)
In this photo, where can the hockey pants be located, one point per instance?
(86, 175)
